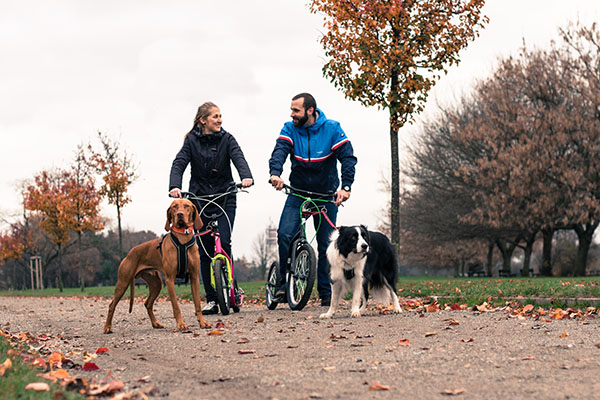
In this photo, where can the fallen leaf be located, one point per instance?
(242, 341)
(377, 386)
(453, 392)
(6, 365)
(528, 308)
(260, 319)
(101, 350)
(90, 366)
(330, 368)
(469, 340)
(39, 362)
(427, 334)
(564, 334)
(214, 332)
(404, 342)
(38, 386)
(247, 351)
(60, 374)
(55, 358)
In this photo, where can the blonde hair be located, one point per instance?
(203, 112)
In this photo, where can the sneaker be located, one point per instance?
(210, 308)
(326, 301)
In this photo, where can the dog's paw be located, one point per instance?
(108, 329)
(355, 314)
(204, 324)
(157, 325)
(181, 326)
(325, 315)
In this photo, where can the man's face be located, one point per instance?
(299, 115)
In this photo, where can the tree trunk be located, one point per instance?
(120, 231)
(79, 268)
(507, 249)
(546, 267)
(395, 188)
(60, 279)
(585, 235)
(490, 259)
(528, 250)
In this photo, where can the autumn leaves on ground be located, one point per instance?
(61, 340)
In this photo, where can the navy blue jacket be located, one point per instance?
(210, 156)
(314, 151)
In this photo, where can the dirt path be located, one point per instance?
(282, 354)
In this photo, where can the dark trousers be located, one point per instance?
(208, 245)
(289, 224)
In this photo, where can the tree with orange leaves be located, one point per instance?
(390, 53)
(118, 172)
(47, 197)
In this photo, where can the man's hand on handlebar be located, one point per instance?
(175, 192)
(276, 182)
(341, 196)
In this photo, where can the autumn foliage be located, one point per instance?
(520, 153)
(390, 53)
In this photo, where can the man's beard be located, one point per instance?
(299, 122)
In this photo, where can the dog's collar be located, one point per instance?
(186, 231)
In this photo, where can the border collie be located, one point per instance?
(361, 260)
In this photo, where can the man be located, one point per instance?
(315, 144)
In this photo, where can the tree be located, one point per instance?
(118, 172)
(85, 205)
(47, 197)
(390, 53)
(262, 254)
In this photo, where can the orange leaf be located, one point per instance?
(60, 374)
(564, 334)
(404, 342)
(55, 358)
(214, 332)
(377, 386)
(528, 308)
(7, 364)
(101, 350)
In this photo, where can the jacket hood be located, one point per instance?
(313, 128)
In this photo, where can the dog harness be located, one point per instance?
(182, 258)
(349, 274)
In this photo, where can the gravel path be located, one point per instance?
(280, 354)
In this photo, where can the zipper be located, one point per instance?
(308, 133)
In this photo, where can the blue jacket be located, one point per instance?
(314, 151)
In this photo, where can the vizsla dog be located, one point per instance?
(145, 259)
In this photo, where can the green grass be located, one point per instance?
(12, 384)
(474, 291)
(471, 291)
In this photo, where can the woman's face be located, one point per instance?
(212, 123)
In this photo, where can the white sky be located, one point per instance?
(138, 70)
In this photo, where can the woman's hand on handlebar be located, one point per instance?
(276, 182)
(247, 182)
(175, 192)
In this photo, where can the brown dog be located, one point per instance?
(145, 259)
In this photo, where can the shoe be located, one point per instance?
(326, 301)
(210, 308)
(280, 294)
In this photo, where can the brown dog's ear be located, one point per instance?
(168, 223)
(198, 224)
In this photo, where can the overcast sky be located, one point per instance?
(137, 71)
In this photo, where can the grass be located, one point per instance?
(12, 384)
(471, 291)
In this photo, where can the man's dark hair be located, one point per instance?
(307, 101)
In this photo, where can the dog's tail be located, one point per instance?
(132, 295)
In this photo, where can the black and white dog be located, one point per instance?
(361, 260)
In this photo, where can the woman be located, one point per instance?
(210, 150)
